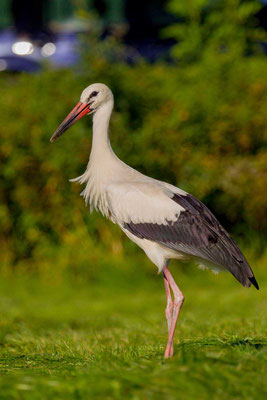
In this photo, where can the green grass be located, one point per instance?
(104, 338)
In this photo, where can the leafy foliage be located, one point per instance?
(222, 28)
(200, 124)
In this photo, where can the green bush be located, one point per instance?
(200, 124)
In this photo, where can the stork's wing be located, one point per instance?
(141, 202)
(178, 221)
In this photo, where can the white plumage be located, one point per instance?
(163, 220)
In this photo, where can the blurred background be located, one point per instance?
(189, 80)
(81, 306)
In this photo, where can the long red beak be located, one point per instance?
(77, 113)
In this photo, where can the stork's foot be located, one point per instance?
(172, 310)
(168, 351)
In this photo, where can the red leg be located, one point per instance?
(176, 305)
(169, 307)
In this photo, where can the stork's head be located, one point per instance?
(92, 99)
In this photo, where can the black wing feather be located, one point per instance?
(197, 232)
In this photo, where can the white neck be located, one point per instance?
(104, 166)
(102, 163)
(100, 142)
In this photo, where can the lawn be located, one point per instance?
(104, 337)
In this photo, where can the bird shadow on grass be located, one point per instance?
(215, 342)
(212, 349)
(247, 342)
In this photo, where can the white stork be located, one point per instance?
(163, 220)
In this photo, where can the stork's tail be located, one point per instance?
(244, 273)
(254, 282)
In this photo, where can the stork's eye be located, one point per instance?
(93, 94)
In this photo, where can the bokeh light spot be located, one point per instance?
(3, 64)
(22, 48)
(48, 49)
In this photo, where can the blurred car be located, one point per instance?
(23, 54)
